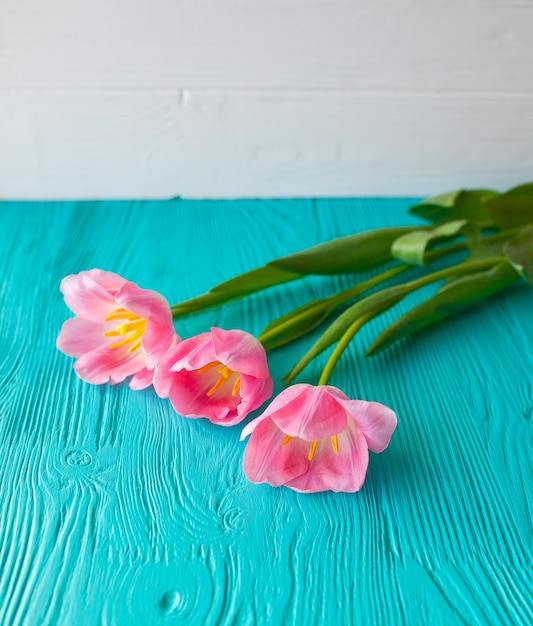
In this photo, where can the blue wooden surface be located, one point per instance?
(114, 510)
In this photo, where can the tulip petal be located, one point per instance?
(188, 396)
(308, 412)
(266, 459)
(164, 377)
(91, 294)
(240, 351)
(79, 336)
(253, 393)
(193, 353)
(145, 303)
(142, 379)
(154, 308)
(376, 421)
(108, 365)
(341, 471)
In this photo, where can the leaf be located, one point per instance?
(365, 309)
(411, 247)
(295, 324)
(453, 297)
(461, 204)
(487, 247)
(243, 285)
(513, 208)
(519, 251)
(354, 253)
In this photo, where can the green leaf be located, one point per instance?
(368, 308)
(454, 296)
(295, 324)
(513, 208)
(411, 247)
(519, 251)
(354, 253)
(486, 247)
(460, 204)
(243, 285)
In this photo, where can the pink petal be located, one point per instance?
(91, 294)
(152, 306)
(344, 471)
(142, 379)
(79, 336)
(193, 353)
(376, 421)
(240, 351)
(308, 412)
(253, 392)
(267, 460)
(189, 398)
(279, 402)
(109, 365)
(109, 281)
(164, 377)
(145, 303)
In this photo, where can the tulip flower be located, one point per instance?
(221, 375)
(120, 330)
(316, 439)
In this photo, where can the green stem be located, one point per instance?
(349, 334)
(333, 301)
(340, 348)
(330, 303)
(469, 266)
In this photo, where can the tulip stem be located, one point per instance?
(341, 347)
(359, 322)
(273, 331)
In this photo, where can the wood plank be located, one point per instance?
(408, 45)
(114, 510)
(237, 145)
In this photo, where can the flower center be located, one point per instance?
(313, 445)
(225, 379)
(132, 329)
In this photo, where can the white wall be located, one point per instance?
(156, 98)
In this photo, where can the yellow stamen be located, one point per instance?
(126, 328)
(209, 366)
(236, 385)
(286, 440)
(312, 450)
(121, 314)
(131, 331)
(335, 443)
(113, 333)
(224, 375)
(119, 344)
(225, 372)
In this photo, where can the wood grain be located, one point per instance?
(270, 98)
(116, 511)
(302, 45)
(201, 145)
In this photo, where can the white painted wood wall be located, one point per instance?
(225, 98)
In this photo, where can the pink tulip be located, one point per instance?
(221, 375)
(119, 330)
(316, 439)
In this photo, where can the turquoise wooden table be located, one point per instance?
(117, 511)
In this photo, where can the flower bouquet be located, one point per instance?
(310, 438)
